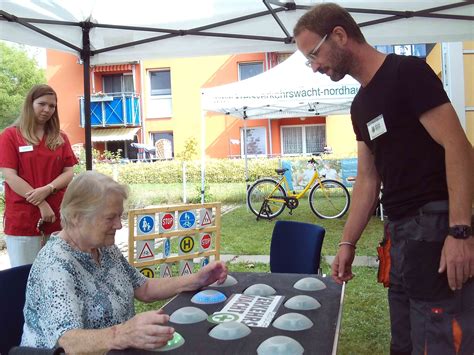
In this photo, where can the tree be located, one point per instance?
(18, 73)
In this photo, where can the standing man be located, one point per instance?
(410, 141)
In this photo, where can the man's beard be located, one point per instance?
(340, 63)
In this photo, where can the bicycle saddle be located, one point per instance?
(280, 171)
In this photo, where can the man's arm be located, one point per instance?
(364, 198)
(457, 256)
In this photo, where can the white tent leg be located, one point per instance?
(246, 163)
(453, 77)
(203, 154)
(270, 137)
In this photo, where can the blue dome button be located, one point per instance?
(208, 297)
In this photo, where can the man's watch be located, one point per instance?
(460, 232)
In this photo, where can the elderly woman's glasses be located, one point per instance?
(314, 53)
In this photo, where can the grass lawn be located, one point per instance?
(242, 234)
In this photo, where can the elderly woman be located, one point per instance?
(81, 289)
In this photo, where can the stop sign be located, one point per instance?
(206, 241)
(167, 221)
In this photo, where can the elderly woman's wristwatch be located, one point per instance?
(460, 232)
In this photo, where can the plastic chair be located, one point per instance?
(12, 301)
(164, 149)
(296, 247)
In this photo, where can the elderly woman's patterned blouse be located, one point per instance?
(68, 290)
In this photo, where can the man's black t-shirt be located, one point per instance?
(410, 163)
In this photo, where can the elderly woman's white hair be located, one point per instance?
(86, 195)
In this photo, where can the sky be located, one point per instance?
(39, 54)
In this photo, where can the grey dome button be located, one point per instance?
(293, 322)
(174, 343)
(188, 315)
(230, 331)
(309, 284)
(260, 290)
(280, 344)
(302, 303)
(229, 281)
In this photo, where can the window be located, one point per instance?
(303, 139)
(247, 70)
(256, 141)
(418, 50)
(160, 104)
(118, 83)
(160, 83)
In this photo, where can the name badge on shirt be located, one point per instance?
(25, 148)
(376, 127)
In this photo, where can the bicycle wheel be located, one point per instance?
(329, 199)
(259, 193)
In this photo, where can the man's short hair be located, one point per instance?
(322, 19)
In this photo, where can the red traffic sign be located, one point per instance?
(206, 241)
(167, 221)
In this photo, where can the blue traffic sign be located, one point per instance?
(146, 224)
(187, 220)
(167, 248)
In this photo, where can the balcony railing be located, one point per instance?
(117, 109)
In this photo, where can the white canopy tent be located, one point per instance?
(290, 89)
(113, 31)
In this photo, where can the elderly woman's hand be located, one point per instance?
(215, 271)
(146, 330)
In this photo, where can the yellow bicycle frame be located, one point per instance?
(287, 188)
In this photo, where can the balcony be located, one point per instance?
(113, 110)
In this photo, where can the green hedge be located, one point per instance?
(171, 171)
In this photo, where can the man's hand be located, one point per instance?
(341, 268)
(457, 258)
(146, 330)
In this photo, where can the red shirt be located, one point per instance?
(38, 166)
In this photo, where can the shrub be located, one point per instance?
(171, 171)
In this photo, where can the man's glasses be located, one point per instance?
(314, 53)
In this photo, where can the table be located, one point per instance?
(320, 339)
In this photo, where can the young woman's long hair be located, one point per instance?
(26, 122)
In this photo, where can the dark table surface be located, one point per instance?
(318, 340)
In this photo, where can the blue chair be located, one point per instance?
(296, 247)
(12, 300)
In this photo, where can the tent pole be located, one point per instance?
(245, 159)
(203, 154)
(270, 142)
(245, 152)
(86, 58)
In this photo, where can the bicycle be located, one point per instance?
(328, 199)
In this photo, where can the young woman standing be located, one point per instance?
(37, 163)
